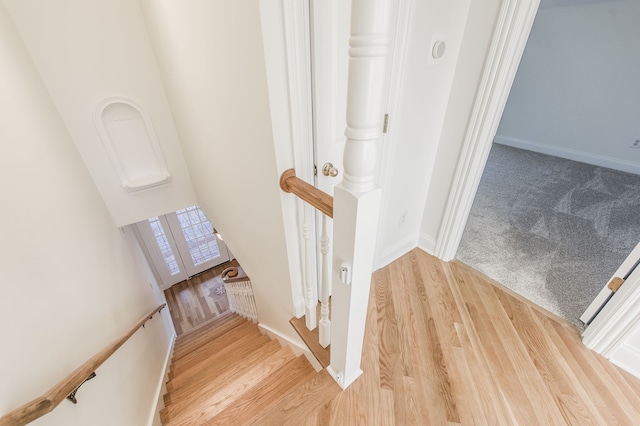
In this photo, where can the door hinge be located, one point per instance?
(385, 127)
(615, 284)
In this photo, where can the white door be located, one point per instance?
(607, 292)
(181, 245)
(200, 248)
(330, 61)
(162, 250)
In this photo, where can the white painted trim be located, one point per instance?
(161, 387)
(624, 270)
(511, 33)
(298, 47)
(285, 29)
(297, 348)
(396, 251)
(617, 321)
(427, 243)
(628, 359)
(571, 154)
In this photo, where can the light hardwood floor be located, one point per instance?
(445, 345)
(198, 300)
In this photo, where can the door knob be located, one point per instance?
(329, 170)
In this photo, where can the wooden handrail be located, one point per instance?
(54, 396)
(322, 201)
(230, 275)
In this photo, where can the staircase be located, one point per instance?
(228, 372)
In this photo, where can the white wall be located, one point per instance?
(417, 121)
(577, 92)
(478, 32)
(86, 51)
(68, 283)
(211, 59)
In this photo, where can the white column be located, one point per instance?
(356, 199)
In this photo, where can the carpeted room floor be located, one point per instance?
(550, 229)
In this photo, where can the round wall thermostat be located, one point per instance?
(438, 49)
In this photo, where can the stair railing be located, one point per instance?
(357, 198)
(68, 386)
(240, 294)
(323, 202)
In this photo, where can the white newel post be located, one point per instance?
(357, 199)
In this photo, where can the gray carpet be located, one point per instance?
(552, 230)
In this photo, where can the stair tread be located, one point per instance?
(207, 333)
(200, 408)
(216, 324)
(252, 404)
(183, 392)
(312, 339)
(216, 321)
(233, 354)
(202, 351)
(301, 401)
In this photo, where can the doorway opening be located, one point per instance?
(553, 228)
(181, 244)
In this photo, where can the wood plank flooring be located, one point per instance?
(445, 345)
(198, 300)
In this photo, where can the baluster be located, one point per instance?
(243, 309)
(254, 310)
(325, 289)
(311, 299)
(245, 301)
(236, 299)
(230, 297)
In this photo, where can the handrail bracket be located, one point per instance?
(72, 396)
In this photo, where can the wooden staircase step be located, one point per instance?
(261, 398)
(312, 339)
(185, 344)
(186, 360)
(205, 327)
(211, 400)
(299, 402)
(207, 382)
(225, 359)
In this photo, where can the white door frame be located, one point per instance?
(621, 316)
(509, 40)
(624, 271)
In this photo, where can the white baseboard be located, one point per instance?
(427, 243)
(161, 387)
(396, 251)
(628, 359)
(569, 154)
(297, 348)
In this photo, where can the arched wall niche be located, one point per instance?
(131, 144)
